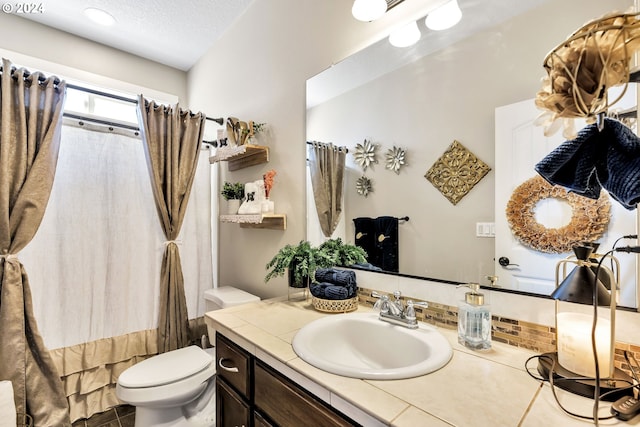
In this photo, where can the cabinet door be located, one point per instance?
(289, 405)
(231, 410)
(259, 421)
(234, 365)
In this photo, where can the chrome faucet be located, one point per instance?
(395, 312)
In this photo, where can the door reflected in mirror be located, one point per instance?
(447, 88)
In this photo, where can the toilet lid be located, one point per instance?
(228, 296)
(166, 368)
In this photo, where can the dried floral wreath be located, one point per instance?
(589, 218)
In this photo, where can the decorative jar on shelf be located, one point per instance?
(268, 207)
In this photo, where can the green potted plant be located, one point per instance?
(233, 193)
(301, 262)
(343, 254)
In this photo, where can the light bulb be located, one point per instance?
(405, 36)
(368, 10)
(446, 16)
(99, 16)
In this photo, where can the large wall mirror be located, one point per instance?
(448, 87)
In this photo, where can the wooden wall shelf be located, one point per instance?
(241, 156)
(273, 221)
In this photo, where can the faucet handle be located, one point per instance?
(383, 302)
(410, 313)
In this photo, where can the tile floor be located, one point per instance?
(120, 416)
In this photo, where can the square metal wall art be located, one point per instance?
(456, 172)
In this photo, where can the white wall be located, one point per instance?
(39, 47)
(257, 71)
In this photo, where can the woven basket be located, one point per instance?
(335, 306)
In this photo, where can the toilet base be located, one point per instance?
(199, 413)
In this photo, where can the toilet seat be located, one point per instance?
(185, 366)
(166, 368)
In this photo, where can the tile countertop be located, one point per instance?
(474, 389)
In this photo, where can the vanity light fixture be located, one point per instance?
(368, 10)
(445, 16)
(406, 35)
(99, 16)
(573, 366)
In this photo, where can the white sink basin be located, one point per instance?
(359, 345)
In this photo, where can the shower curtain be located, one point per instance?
(30, 121)
(172, 138)
(95, 262)
(326, 164)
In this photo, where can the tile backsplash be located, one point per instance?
(519, 333)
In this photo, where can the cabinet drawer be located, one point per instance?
(234, 365)
(287, 404)
(231, 410)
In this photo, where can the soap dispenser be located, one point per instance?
(474, 320)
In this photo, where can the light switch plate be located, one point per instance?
(485, 229)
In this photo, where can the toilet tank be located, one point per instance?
(226, 296)
(223, 297)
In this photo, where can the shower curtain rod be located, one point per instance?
(219, 120)
(112, 125)
(42, 78)
(345, 149)
(100, 121)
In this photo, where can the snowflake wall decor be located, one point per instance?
(363, 186)
(395, 159)
(365, 154)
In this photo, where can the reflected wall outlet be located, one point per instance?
(485, 229)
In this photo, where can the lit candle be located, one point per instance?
(574, 344)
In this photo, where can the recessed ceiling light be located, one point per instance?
(99, 16)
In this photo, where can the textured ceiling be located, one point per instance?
(172, 32)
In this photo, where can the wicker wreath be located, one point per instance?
(589, 217)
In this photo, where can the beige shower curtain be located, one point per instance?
(172, 139)
(31, 117)
(326, 164)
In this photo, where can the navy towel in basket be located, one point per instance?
(334, 284)
(330, 291)
(336, 276)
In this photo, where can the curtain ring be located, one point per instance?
(175, 242)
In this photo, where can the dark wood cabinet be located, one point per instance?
(287, 404)
(250, 393)
(231, 409)
(233, 384)
(259, 421)
(234, 365)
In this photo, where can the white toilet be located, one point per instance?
(177, 388)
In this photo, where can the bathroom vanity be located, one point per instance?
(247, 388)
(474, 389)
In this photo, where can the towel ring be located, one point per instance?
(589, 217)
